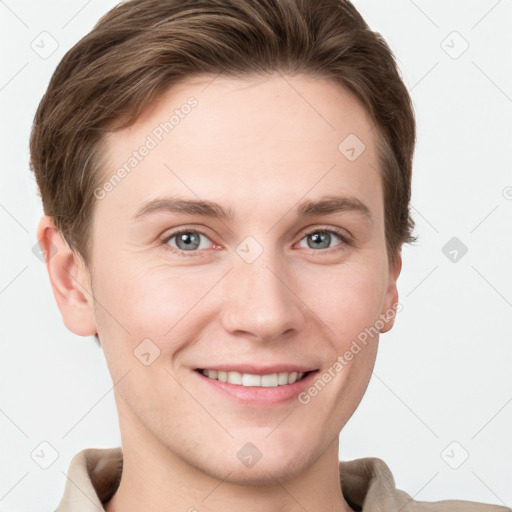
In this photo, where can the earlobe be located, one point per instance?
(391, 302)
(69, 278)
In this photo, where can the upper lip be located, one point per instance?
(258, 370)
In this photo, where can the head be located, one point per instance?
(265, 109)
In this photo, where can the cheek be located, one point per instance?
(140, 302)
(347, 300)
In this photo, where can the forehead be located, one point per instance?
(275, 138)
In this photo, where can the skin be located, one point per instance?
(257, 146)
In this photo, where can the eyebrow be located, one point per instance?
(308, 208)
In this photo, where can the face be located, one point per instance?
(274, 282)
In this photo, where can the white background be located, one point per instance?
(443, 373)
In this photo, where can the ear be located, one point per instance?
(69, 277)
(391, 303)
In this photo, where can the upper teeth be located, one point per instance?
(248, 379)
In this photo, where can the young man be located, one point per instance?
(226, 190)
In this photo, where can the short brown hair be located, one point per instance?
(142, 47)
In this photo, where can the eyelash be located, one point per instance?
(198, 253)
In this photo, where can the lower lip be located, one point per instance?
(259, 396)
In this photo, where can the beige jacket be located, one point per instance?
(368, 486)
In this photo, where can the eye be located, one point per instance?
(322, 238)
(187, 240)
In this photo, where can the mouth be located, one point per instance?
(272, 380)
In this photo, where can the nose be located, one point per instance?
(260, 301)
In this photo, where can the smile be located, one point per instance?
(252, 380)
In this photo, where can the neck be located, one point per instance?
(154, 477)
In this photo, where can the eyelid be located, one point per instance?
(346, 239)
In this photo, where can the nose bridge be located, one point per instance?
(259, 297)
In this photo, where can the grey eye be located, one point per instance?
(320, 239)
(187, 240)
